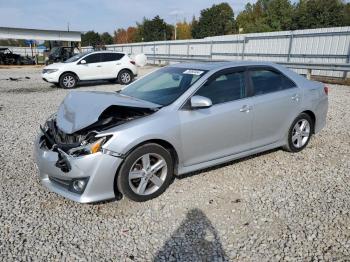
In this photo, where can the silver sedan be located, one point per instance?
(178, 119)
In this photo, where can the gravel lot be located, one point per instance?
(274, 206)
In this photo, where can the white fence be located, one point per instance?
(313, 46)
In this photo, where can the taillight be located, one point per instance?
(133, 62)
(326, 89)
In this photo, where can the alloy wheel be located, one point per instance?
(125, 77)
(68, 81)
(147, 174)
(301, 133)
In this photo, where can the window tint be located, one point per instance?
(224, 88)
(267, 81)
(94, 58)
(163, 86)
(107, 57)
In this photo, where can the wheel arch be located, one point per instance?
(126, 69)
(313, 118)
(167, 145)
(71, 72)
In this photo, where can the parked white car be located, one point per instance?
(99, 65)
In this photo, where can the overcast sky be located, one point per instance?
(99, 15)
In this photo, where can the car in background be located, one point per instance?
(100, 65)
(178, 119)
(7, 57)
(60, 54)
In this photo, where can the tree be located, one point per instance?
(183, 30)
(122, 36)
(154, 30)
(216, 20)
(319, 13)
(266, 16)
(90, 38)
(279, 15)
(253, 18)
(106, 39)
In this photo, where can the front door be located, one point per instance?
(92, 70)
(223, 129)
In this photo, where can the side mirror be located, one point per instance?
(198, 102)
(83, 62)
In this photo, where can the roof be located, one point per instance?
(214, 65)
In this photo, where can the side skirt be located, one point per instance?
(187, 169)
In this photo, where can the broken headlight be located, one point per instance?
(88, 147)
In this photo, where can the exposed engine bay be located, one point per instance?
(110, 117)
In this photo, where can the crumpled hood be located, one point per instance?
(80, 109)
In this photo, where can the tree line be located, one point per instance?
(219, 19)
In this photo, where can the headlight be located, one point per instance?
(89, 148)
(50, 118)
(49, 71)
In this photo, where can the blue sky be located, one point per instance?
(99, 15)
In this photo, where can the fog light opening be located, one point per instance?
(79, 185)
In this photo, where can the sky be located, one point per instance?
(100, 15)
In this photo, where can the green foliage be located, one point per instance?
(277, 15)
(216, 20)
(106, 39)
(90, 38)
(320, 13)
(154, 30)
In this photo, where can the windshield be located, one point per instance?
(163, 86)
(75, 58)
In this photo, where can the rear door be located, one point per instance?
(111, 64)
(223, 129)
(276, 101)
(92, 70)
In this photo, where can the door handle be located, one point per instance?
(98, 66)
(118, 63)
(296, 97)
(245, 109)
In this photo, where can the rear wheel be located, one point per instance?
(145, 173)
(299, 133)
(68, 80)
(125, 77)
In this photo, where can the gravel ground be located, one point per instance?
(270, 207)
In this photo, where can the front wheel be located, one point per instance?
(299, 133)
(125, 77)
(145, 173)
(68, 80)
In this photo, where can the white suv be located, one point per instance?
(113, 66)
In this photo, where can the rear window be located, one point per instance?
(268, 81)
(107, 57)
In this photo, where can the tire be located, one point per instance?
(299, 139)
(135, 182)
(68, 80)
(125, 77)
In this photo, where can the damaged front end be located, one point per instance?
(86, 140)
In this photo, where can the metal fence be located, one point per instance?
(326, 51)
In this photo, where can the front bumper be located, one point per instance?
(51, 78)
(100, 170)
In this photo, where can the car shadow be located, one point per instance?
(196, 239)
(119, 196)
(89, 83)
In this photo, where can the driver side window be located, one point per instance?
(94, 58)
(224, 88)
